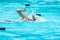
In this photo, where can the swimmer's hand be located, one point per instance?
(5, 20)
(21, 9)
(8, 20)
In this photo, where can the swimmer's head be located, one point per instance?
(36, 17)
(38, 14)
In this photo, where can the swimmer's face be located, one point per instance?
(36, 16)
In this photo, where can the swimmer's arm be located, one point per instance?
(22, 14)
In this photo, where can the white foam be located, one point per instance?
(55, 20)
(8, 34)
(42, 20)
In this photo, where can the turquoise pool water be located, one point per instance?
(30, 30)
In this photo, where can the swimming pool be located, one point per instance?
(30, 30)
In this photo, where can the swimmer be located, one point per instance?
(25, 17)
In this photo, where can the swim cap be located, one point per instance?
(37, 17)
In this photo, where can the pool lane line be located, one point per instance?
(3, 29)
